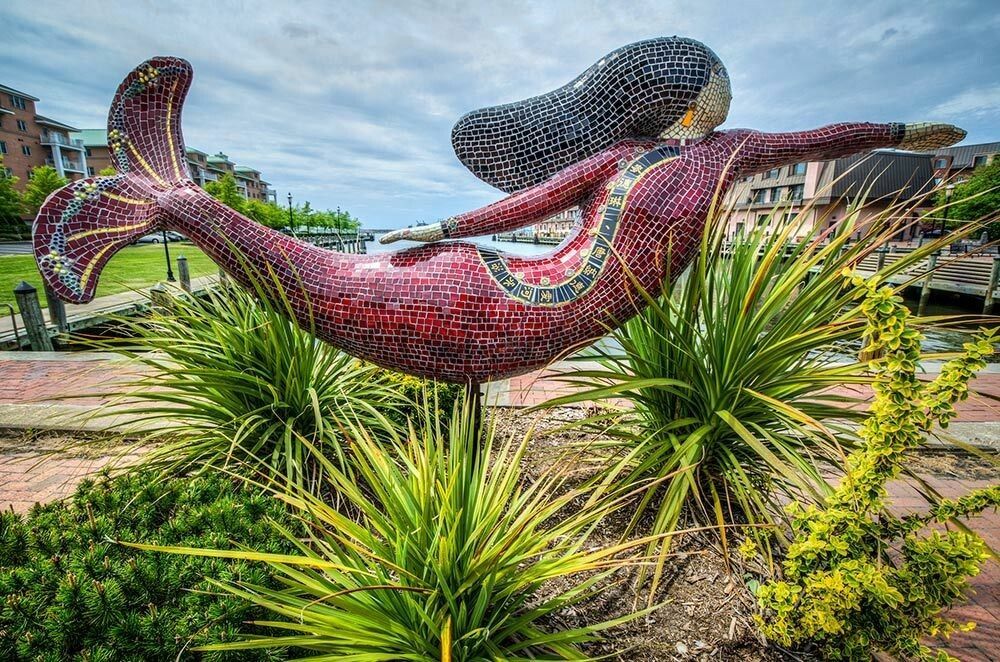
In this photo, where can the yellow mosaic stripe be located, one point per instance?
(120, 228)
(146, 166)
(170, 135)
(131, 201)
(85, 276)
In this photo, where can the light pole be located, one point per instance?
(291, 221)
(947, 206)
(166, 254)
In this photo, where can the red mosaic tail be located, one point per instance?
(81, 226)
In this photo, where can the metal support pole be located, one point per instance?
(184, 273)
(925, 292)
(57, 310)
(31, 314)
(992, 288)
(166, 255)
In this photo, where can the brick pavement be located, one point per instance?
(31, 384)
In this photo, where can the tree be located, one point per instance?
(107, 172)
(225, 191)
(11, 224)
(266, 214)
(978, 198)
(43, 181)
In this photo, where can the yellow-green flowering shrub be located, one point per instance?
(841, 594)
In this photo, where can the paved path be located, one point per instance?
(32, 386)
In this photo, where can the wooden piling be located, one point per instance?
(57, 310)
(992, 287)
(183, 273)
(925, 292)
(881, 258)
(31, 315)
(159, 298)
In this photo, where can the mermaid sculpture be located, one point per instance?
(632, 141)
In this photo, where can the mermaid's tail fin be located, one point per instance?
(83, 224)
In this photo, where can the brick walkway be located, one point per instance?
(31, 385)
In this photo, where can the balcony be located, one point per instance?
(67, 165)
(52, 138)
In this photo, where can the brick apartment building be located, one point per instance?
(29, 140)
(204, 168)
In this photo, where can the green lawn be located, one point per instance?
(134, 268)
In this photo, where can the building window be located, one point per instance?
(17, 102)
(3, 147)
(797, 169)
(776, 194)
(31, 173)
(90, 170)
(760, 196)
(937, 181)
(795, 192)
(940, 163)
(22, 126)
(979, 161)
(7, 172)
(763, 219)
(25, 150)
(86, 150)
(771, 174)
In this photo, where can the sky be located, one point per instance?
(351, 104)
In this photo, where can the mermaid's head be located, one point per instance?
(669, 87)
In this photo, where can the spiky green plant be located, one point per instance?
(232, 380)
(725, 379)
(450, 556)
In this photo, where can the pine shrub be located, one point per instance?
(69, 591)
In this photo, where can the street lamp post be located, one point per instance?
(291, 221)
(166, 254)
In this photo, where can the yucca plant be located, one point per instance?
(449, 557)
(725, 379)
(233, 381)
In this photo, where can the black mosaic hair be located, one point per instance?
(636, 91)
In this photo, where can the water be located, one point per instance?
(507, 246)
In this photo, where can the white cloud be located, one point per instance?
(978, 102)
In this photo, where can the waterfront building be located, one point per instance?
(29, 140)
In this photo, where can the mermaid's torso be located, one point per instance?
(454, 309)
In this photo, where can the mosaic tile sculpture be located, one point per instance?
(632, 141)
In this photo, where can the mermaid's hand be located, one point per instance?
(433, 232)
(923, 136)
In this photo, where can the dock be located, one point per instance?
(99, 311)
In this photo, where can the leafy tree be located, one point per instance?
(266, 214)
(107, 172)
(10, 202)
(978, 198)
(44, 180)
(225, 191)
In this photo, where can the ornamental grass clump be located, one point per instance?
(449, 556)
(232, 381)
(858, 580)
(724, 382)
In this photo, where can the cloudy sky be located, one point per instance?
(351, 103)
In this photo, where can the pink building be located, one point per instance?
(823, 189)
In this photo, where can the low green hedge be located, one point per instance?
(67, 591)
(414, 389)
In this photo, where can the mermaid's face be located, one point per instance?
(707, 111)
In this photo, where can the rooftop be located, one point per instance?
(45, 121)
(961, 156)
(192, 150)
(10, 90)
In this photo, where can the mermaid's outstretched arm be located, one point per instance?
(565, 189)
(758, 152)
